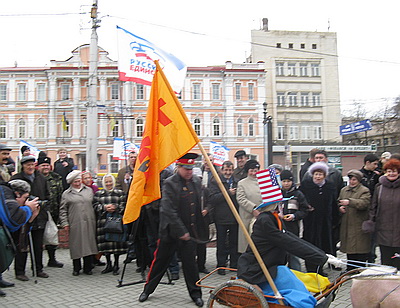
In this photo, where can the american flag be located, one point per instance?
(269, 187)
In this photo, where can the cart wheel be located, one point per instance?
(236, 293)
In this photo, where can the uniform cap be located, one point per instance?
(187, 161)
(44, 160)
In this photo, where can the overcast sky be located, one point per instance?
(207, 32)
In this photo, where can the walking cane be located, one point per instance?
(33, 261)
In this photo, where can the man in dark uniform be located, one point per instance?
(181, 227)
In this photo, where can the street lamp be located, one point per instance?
(267, 123)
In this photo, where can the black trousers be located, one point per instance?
(387, 253)
(227, 244)
(361, 257)
(162, 259)
(21, 257)
(87, 264)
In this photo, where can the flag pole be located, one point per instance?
(242, 226)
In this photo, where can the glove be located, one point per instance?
(334, 261)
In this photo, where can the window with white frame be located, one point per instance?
(21, 129)
(41, 92)
(113, 164)
(196, 91)
(315, 70)
(41, 128)
(251, 127)
(215, 91)
(238, 88)
(305, 133)
(239, 125)
(281, 132)
(197, 126)
(139, 127)
(304, 99)
(115, 129)
(280, 98)
(3, 128)
(250, 87)
(279, 68)
(139, 91)
(292, 98)
(65, 89)
(115, 91)
(317, 132)
(293, 132)
(291, 69)
(3, 92)
(21, 91)
(216, 127)
(303, 69)
(316, 99)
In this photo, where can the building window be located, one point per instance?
(216, 127)
(314, 46)
(196, 91)
(290, 45)
(197, 126)
(41, 92)
(317, 132)
(21, 129)
(315, 70)
(115, 129)
(139, 127)
(250, 87)
(303, 69)
(291, 69)
(3, 128)
(281, 132)
(292, 97)
(215, 91)
(251, 127)
(115, 91)
(385, 141)
(239, 125)
(139, 91)
(41, 128)
(65, 91)
(237, 91)
(3, 92)
(302, 46)
(304, 99)
(113, 163)
(281, 98)
(279, 68)
(316, 99)
(293, 132)
(21, 91)
(306, 135)
(278, 45)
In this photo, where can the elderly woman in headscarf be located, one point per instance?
(248, 196)
(324, 213)
(354, 202)
(78, 218)
(109, 202)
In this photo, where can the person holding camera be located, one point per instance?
(39, 189)
(16, 211)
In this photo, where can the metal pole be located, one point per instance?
(265, 126)
(92, 113)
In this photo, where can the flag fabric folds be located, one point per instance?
(34, 150)
(122, 148)
(64, 122)
(269, 187)
(136, 61)
(167, 136)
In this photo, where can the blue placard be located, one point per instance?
(355, 127)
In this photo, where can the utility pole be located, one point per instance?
(92, 114)
(267, 123)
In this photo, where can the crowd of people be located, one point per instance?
(316, 218)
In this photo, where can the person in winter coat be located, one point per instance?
(78, 218)
(385, 211)
(63, 166)
(354, 202)
(324, 213)
(293, 211)
(108, 201)
(40, 189)
(249, 197)
(226, 224)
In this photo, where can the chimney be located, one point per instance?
(265, 24)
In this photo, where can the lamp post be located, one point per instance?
(267, 124)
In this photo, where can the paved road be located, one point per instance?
(62, 289)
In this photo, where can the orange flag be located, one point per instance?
(167, 136)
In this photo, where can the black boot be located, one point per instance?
(51, 250)
(116, 266)
(108, 265)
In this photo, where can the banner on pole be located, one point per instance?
(219, 152)
(122, 148)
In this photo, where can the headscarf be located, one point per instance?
(104, 182)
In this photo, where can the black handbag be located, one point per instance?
(113, 224)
